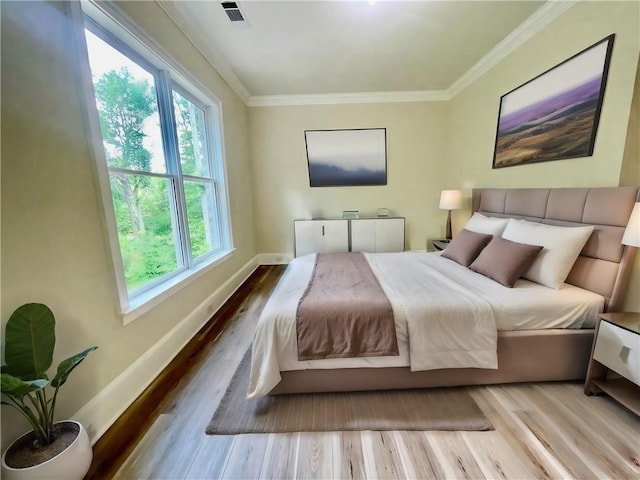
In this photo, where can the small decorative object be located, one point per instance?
(341, 158)
(383, 212)
(555, 115)
(50, 450)
(350, 214)
(450, 200)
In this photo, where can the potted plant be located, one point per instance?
(49, 450)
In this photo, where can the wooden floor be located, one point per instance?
(549, 430)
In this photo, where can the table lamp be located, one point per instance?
(631, 235)
(450, 200)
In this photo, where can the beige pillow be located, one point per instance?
(505, 261)
(466, 246)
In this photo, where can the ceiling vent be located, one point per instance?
(232, 9)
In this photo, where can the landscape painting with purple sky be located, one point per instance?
(555, 115)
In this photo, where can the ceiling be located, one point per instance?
(316, 49)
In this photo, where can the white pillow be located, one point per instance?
(487, 225)
(562, 245)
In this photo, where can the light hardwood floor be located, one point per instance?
(549, 430)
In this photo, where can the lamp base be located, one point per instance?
(449, 236)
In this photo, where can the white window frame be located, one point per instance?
(133, 42)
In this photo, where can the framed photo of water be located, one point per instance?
(346, 158)
(555, 115)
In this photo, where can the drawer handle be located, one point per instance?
(624, 354)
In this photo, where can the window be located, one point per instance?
(163, 157)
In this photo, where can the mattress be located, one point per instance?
(408, 278)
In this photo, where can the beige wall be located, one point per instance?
(473, 112)
(416, 140)
(630, 175)
(54, 247)
(630, 171)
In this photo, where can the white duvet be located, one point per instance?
(446, 316)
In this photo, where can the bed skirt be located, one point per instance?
(523, 356)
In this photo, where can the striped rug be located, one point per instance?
(421, 409)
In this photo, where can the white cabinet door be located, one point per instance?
(377, 235)
(390, 235)
(363, 235)
(320, 236)
(336, 236)
(308, 237)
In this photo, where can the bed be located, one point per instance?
(532, 340)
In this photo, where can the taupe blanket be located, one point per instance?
(344, 312)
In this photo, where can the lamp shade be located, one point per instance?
(631, 235)
(451, 200)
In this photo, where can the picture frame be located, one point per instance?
(555, 115)
(346, 157)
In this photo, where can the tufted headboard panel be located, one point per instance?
(604, 265)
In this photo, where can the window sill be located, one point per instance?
(145, 302)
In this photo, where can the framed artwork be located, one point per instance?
(342, 158)
(555, 115)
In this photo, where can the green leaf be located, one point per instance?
(15, 387)
(67, 366)
(29, 341)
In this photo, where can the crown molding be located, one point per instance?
(542, 17)
(344, 98)
(210, 54)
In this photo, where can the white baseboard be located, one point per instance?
(105, 408)
(273, 258)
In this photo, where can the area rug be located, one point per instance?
(421, 409)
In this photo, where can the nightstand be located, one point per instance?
(439, 245)
(616, 349)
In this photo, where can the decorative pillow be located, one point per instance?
(488, 225)
(466, 246)
(505, 261)
(562, 245)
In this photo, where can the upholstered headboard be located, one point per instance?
(604, 265)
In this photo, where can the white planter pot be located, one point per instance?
(71, 464)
